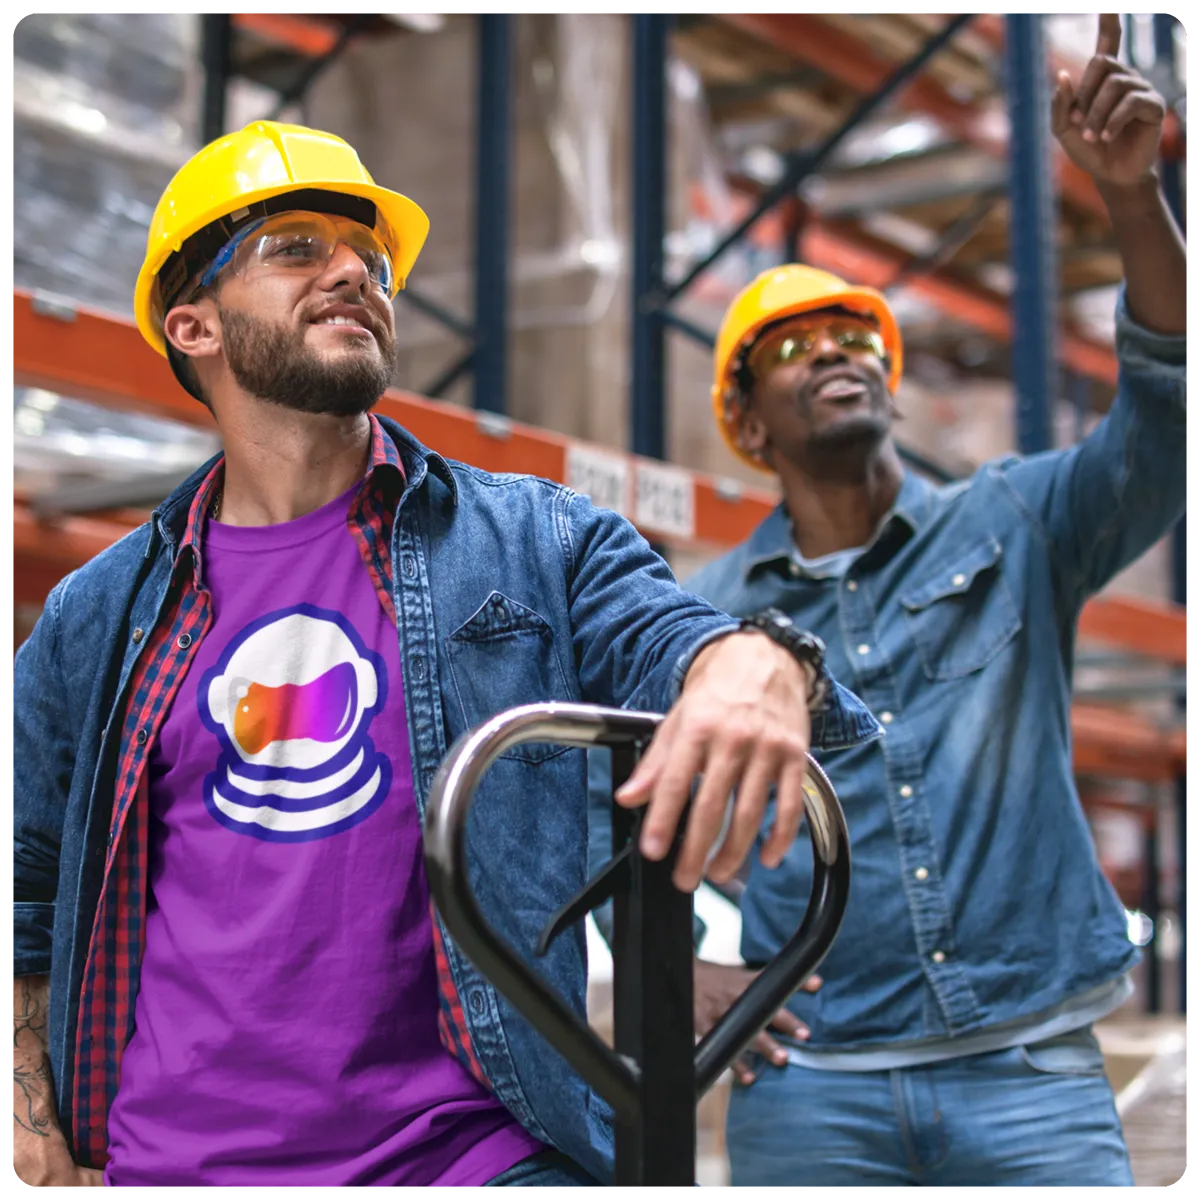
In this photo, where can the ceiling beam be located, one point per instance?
(850, 61)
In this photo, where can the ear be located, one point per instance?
(751, 436)
(194, 329)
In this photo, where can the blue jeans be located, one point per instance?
(1033, 1115)
(549, 1168)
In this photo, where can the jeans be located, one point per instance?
(1034, 1115)
(549, 1168)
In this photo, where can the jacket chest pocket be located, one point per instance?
(500, 658)
(963, 617)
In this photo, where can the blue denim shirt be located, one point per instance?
(976, 897)
(508, 590)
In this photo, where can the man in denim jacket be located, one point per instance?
(950, 1042)
(227, 725)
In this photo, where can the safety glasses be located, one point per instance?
(795, 341)
(301, 243)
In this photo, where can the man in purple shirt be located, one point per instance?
(266, 997)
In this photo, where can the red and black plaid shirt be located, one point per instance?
(110, 976)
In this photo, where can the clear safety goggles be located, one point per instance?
(793, 342)
(301, 243)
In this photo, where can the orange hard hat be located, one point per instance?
(787, 291)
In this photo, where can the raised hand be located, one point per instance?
(1111, 124)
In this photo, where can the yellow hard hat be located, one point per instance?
(785, 292)
(263, 161)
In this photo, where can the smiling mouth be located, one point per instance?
(346, 325)
(841, 390)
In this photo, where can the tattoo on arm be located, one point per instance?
(33, 1094)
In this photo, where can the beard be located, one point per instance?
(861, 427)
(274, 363)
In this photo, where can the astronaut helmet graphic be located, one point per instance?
(291, 700)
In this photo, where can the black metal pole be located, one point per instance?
(949, 242)
(492, 158)
(1152, 907)
(652, 1011)
(216, 53)
(649, 203)
(1032, 228)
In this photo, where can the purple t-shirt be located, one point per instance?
(286, 1021)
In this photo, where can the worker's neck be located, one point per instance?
(840, 507)
(281, 465)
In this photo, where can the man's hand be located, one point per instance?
(742, 720)
(717, 987)
(1111, 125)
(40, 1154)
(59, 1171)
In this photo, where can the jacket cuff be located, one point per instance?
(1134, 341)
(33, 928)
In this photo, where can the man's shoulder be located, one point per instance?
(109, 573)
(510, 484)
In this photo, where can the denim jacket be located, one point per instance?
(976, 898)
(508, 590)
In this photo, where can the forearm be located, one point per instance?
(1153, 255)
(36, 1135)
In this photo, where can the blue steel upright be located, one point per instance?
(649, 182)
(492, 154)
(1033, 223)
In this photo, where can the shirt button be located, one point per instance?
(851, 585)
(922, 874)
(938, 957)
(886, 718)
(142, 737)
(864, 649)
(906, 791)
(477, 1003)
(138, 634)
(959, 580)
(185, 640)
(794, 569)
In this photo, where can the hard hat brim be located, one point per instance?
(406, 220)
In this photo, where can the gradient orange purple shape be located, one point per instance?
(323, 710)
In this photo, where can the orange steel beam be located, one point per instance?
(97, 357)
(1116, 742)
(850, 61)
(101, 358)
(306, 35)
(1149, 627)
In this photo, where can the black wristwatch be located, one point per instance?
(805, 646)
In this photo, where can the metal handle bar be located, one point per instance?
(615, 1077)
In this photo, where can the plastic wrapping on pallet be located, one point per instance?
(103, 116)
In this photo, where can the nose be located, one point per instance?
(826, 350)
(345, 269)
